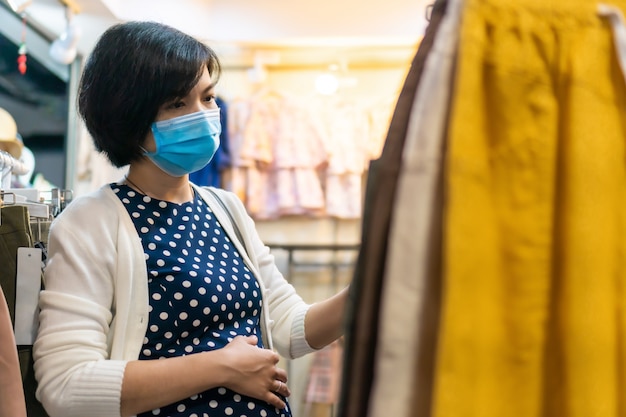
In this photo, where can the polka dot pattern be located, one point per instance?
(202, 295)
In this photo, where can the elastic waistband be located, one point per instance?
(579, 11)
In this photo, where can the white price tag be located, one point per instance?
(27, 290)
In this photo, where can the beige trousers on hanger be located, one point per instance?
(414, 245)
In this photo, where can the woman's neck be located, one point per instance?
(150, 180)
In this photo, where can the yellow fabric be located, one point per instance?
(533, 316)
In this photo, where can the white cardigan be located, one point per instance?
(94, 309)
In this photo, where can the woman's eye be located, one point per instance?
(173, 105)
(210, 98)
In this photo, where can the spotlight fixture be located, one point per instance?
(63, 49)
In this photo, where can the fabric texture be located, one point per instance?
(405, 353)
(96, 279)
(533, 320)
(14, 233)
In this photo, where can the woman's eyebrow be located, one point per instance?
(209, 87)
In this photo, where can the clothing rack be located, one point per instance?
(322, 372)
(59, 198)
(40, 208)
(292, 263)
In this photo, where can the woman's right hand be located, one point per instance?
(252, 371)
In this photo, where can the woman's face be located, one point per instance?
(201, 97)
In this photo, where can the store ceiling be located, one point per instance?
(285, 33)
(236, 27)
(244, 32)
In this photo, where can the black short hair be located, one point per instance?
(135, 68)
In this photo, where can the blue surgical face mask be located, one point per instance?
(187, 143)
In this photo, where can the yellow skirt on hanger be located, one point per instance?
(533, 319)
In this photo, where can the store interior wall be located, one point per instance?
(368, 46)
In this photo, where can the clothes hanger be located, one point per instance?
(10, 165)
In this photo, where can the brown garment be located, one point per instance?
(410, 301)
(15, 232)
(12, 403)
(364, 302)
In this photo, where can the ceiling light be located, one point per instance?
(63, 50)
(326, 83)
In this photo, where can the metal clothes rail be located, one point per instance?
(292, 263)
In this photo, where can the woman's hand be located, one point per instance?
(241, 366)
(252, 371)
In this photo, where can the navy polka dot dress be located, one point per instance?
(201, 296)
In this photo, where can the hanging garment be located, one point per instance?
(379, 117)
(362, 320)
(323, 378)
(12, 401)
(282, 151)
(410, 299)
(533, 319)
(15, 232)
(243, 177)
(346, 131)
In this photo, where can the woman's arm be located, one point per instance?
(72, 351)
(324, 322)
(240, 366)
